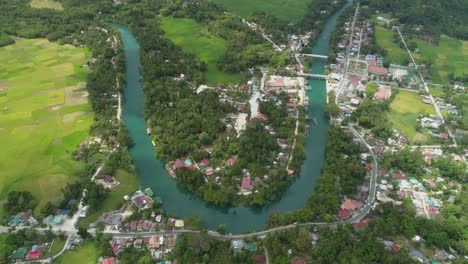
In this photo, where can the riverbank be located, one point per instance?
(152, 173)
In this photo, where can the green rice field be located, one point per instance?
(384, 39)
(84, 254)
(445, 58)
(46, 4)
(404, 112)
(44, 115)
(196, 39)
(449, 56)
(288, 10)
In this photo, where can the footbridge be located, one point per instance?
(312, 75)
(314, 56)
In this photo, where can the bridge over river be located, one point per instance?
(151, 171)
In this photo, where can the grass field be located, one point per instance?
(56, 247)
(404, 112)
(288, 10)
(196, 39)
(128, 185)
(46, 4)
(84, 254)
(384, 39)
(436, 91)
(450, 56)
(42, 117)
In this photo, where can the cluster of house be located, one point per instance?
(23, 219)
(440, 256)
(158, 246)
(349, 104)
(297, 42)
(143, 199)
(35, 253)
(61, 215)
(450, 108)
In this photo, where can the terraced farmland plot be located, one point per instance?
(44, 115)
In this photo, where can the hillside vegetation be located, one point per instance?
(288, 10)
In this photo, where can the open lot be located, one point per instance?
(128, 185)
(196, 39)
(449, 56)
(46, 4)
(84, 254)
(404, 112)
(288, 10)
(40, 84)
(395, 54)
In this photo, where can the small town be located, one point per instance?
(324, 131)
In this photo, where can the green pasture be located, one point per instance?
(449, 56)
(384, 39)
(404, 112)
(56, 247)
(196, 39)
(436, 91)
(84, 254)
(128, 185)
(42, 117)
(288, 10)
(46, 4)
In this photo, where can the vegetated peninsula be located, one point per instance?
(230, 122)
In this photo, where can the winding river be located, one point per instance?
(151, 171)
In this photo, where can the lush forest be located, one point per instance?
(437, 17)
(337, 180)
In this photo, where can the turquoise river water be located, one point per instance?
(151, 171)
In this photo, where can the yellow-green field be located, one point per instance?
(44, 115)
(449, 56)
(84, 254)
(195, 38)
(384, 39)
(404, 112)
(46, 4)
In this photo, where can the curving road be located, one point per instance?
(355, 218)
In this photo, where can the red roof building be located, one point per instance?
(342, 213)
(368, 166)
(383, 171)
(191, 167)
(231, 160)
(262, 117)
(361, 224)
(205, 161)
(395, 248)
(376, 70)
(246, 183)
(399, 176)
(431, 183)
(259, 259)
(108, 261)
(433, 209)
(178, 164)
(349, 205)
(33, 255)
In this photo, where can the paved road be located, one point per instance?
(348, 51)
(355, 218)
